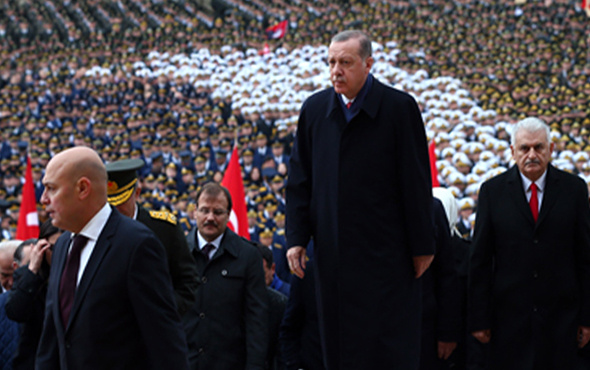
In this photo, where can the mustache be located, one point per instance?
(532, 161)
(210, 223)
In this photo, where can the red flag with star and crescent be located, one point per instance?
(28, 220)
(232, 180)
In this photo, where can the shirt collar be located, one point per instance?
(203, 242)
(94, 227)
(526, 183)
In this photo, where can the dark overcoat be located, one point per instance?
(227, 327)
(529, 282)
(441, 320)
(362, 190)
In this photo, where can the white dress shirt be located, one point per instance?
(526, 183)
(92, 231)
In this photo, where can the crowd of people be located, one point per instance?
(140, 79)
(179, 85)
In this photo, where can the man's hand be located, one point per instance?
(583, 336)
(296, 257)
(38, 254)
(482, 335)
(421, 264)
(445, 349)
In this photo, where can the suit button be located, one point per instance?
(68, 345)
(201, 350)
(204, 279)
(224, 272)
(535, 275)
(535, 309)
(535, 241)
(202, 315)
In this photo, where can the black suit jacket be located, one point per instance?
(530, 282)
(227, 328)
(123, 315)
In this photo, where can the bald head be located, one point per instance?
(75, 187)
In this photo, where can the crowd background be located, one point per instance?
(178, 83)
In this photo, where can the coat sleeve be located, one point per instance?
(151, 294)
(481, 266)
(298, 190)
(21, 298)
(582, 252)
(414, 177)
(184, 276)
(48, 351)
(255, 313)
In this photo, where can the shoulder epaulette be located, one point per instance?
(280, 232)
(278, 245)
(164, 216)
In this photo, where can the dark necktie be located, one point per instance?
(69, 278)
(206, 250)
(534, 202)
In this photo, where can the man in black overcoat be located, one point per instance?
(360, 186)
(529, 275)
(227, 327)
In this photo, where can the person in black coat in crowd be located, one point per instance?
(277, 302)
(26, 300)
(441, 321)
(299, 336)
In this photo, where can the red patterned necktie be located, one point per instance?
(69, 278)
(534, 202)
(348, 105)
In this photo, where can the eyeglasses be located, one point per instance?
(216, 212)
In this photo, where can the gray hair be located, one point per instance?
(365, 49)
(8, 247)
(530, 124)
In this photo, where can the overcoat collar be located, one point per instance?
(370, 104)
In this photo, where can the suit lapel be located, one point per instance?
(518, 196)
(58, 264)
(103, 244)
(550, 193)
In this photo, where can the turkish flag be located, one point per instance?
(265, 50)
(232, 180)
(277, 31)
(28, 220)
(433, 170)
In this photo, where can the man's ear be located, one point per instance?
(84, 187)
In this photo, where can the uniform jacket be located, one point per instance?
(227, 327)
(183, 271)
(530, 282)
(362, 190)
(123, 315)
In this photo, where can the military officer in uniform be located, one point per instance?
(123, 190)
